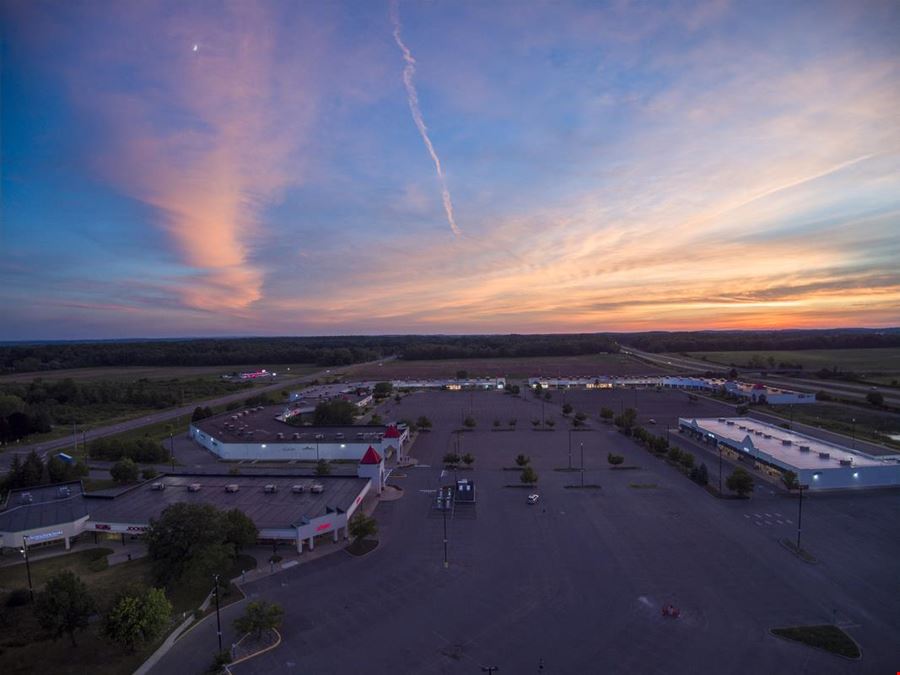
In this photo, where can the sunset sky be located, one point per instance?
(272, 168)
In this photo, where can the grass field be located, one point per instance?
(132, 373)
(515, 368)
(22, 642)
(855, 360)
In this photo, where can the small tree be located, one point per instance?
(674, 454)
(522, 460)
(323, 468)
(789, 478)
(567, 408)
(551, 423)
(258, 617)
(700, 475)
(362, 526)
(687, 460)
(149, 473)
(451, 459)
(64, 606)
(376, 419)
(512, 422)
(875, 398)
(423, 423)
(614, 460)
(740, 482)
(528, 475)
(535, 423)
(137, 617)
(468, 459)
(580, 417)
(606, 414)
(496, 423)
(240, 530)
(469, 422)
(124, 471)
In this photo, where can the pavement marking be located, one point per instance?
(746, 515)
(289, 564)
(779, 522)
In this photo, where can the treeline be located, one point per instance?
(779, 340)
(34, 407)
(506, 346)
(32, 472)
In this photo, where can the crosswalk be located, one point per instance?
(768, 519)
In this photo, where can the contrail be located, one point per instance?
(408, 71)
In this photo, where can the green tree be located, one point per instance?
(124, 471)
(137, 617)
(522, 460)
(32, 472)
(740, 482)
(512, 422)
(149, 473)
(551, 423)
(383, 389)
(686, 460)
(496, 423)
(528, 475)
(64, 606)
(451, 459)
(614, 460)
(674, 454)
(535, 423)
(240, 530)
(789, 478)
(468, 459)
(567, 408)
(362, 526)
(187, 544)
(469, 422)
(580, 417)
(60, 471)
(258, 617)
(423, 423)
(700, 475)
(606, 414)
(323, 468)
(334, 413)
(376, 419)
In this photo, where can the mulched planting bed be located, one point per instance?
(362, 547)
(827, 637)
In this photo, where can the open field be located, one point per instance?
(514, 368)
(812, 360)
(133, 373)
(575, 583)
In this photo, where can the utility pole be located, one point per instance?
(582, 465)
(444, 511)
(218, 618)
(27, 566)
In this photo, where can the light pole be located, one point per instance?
(489, 669)
(172, 449)
(27, 565)
(799, 518)
(582, 465)
(542, 413)
(720, 469)
(570, 449)
(218, 618)
(444, 511)
(853, 434)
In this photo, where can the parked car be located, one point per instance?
(533, 499)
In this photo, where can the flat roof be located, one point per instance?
(137, 505)
(255, 425)
(48, 505)
(782, 444)
(281, 509)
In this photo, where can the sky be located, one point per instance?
(306, 168)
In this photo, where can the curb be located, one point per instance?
(257, 653)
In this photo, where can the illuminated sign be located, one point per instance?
(136, 528)
(358, 499)
(101, 526)
(323, 526)
(44, 536)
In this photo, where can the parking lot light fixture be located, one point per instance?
(27, 566)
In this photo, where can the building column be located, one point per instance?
(312, 543)
(299, 545)
(336, 534)
(68, 545)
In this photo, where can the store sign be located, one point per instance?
(43, 536)
(323, 526)
(101, 526)
(137, 528)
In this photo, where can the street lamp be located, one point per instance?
(799, 517)
(720, 469)
(853, 434)
(489, 669)
(582, 465)
(218, 618)
(172, 449)
(570, 449)
(27, 565)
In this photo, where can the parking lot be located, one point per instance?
(576, 582)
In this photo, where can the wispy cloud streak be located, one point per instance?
(409, 70)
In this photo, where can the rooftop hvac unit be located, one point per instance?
(297, 489)
(296, 435)
(194, 487)
(742, 427)
(158, 486)
(359, 434)
(786, 441)
(279, 436)
(317, 488)
(804, 448)
(722, 419)
(767, 435)
(232, 487)
(270, 489)
(846, 462)
(729, 423)
(319, 437)
(339, 435)
(26, 498)
(64, 491)
(824, 455)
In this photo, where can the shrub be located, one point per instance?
(687, 460)
(528, 475)
(18, 597)
(614, 460)
(323, 468)
(124, 471)
(740, 482)
(522, 460)
(567, 408)
(451, 459)
(674, 454)
(512, 422)
(496, 423)
(149, 473)
(469, 422)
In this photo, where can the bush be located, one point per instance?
(614, 460)
(700, 475)
(674, 454)
(18, 597)
(323, 468)
(528, 475)
(740, 482)
(451, 459)
(124, 471)
(687, 460)
(496, 423)
(512, 422)
(469, 422)
(149, 473)
(522, 460)
(567, 408)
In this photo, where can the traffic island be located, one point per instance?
(826, 637)
(801, 553)
(253, 645)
